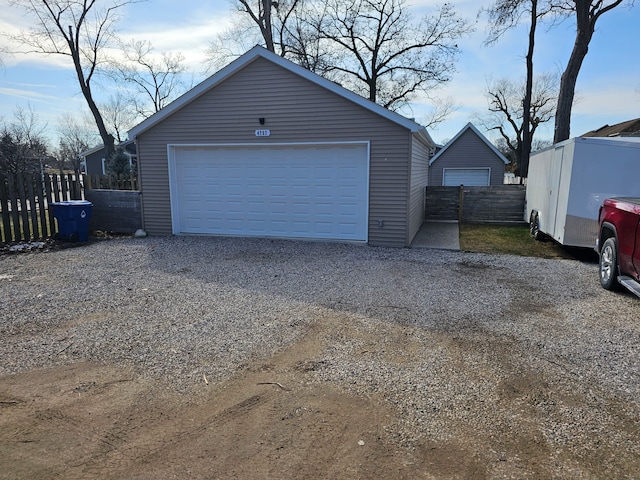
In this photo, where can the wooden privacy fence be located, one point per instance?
(497, 204)
(110, 182)
(25, 199)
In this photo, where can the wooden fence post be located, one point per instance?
(460, 203)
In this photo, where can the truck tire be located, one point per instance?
(608, 267)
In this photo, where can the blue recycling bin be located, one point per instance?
(73, 219)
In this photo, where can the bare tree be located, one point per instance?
(282, 35)
(513, 167)
(119, 115)
(76, 29)
(383, 54)
(504, 15)
(442, 108)
(23, 144)
(156, 79)
(262, 14)
(75, 137)
(301, 40)
(586, 13)
(262, 17)
(4, 53)
(507, 112)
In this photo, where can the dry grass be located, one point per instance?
(515, 240)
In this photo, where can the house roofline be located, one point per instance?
(261, 52)
(97, 148)
(469, 126)
(91, 150)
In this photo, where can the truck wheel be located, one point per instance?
(609, 264)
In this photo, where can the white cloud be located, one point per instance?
(614, 100)
(26, 94)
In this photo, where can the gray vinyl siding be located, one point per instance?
(468, 151)
(94, 163)
(418, 183)
(295, 110)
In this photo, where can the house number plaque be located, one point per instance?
(263, 133)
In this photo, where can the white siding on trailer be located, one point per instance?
(288, 191)
(470, 177)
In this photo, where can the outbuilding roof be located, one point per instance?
(260, 52)
(469, 126)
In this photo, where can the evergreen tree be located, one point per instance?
(118, 163)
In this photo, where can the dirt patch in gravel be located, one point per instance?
(270, 421)
(92, 421)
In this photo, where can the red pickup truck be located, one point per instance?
(618, 244)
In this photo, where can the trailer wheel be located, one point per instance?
(534, 228)
(609, 264)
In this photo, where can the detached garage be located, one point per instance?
(265, 148)
(467, 159)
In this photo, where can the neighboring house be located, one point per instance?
(467, 159)
(93, 160)
(630, 128)
(266, 148)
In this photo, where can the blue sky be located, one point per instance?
(608, 87)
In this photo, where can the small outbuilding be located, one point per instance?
(94, 162)
(467, 159)
(266, 148)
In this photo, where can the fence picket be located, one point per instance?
(44, 231)
(24, 211)
(32, 208)
(50, 198)
(56, 188)
(13, 206)
(6, 221)
(64, 188)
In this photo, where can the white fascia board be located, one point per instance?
(261, 52)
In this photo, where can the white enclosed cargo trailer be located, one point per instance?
(568, 182)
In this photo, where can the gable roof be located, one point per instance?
(469, 126)
(128, 145)
(95, 149)
(624, 129)
(261, 52)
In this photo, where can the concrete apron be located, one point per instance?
(444, 235)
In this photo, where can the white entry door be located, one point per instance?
(286, 191)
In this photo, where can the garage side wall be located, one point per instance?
(468, 151)
(419, 179)
(294, 110)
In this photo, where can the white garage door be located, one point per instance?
(470, 177)
(289, 191)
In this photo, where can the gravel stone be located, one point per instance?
(488, 328)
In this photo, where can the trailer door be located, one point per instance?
(555, 175)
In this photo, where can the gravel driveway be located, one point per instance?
(526, 362)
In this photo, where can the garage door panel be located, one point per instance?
(283, 191)
(453, 177)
